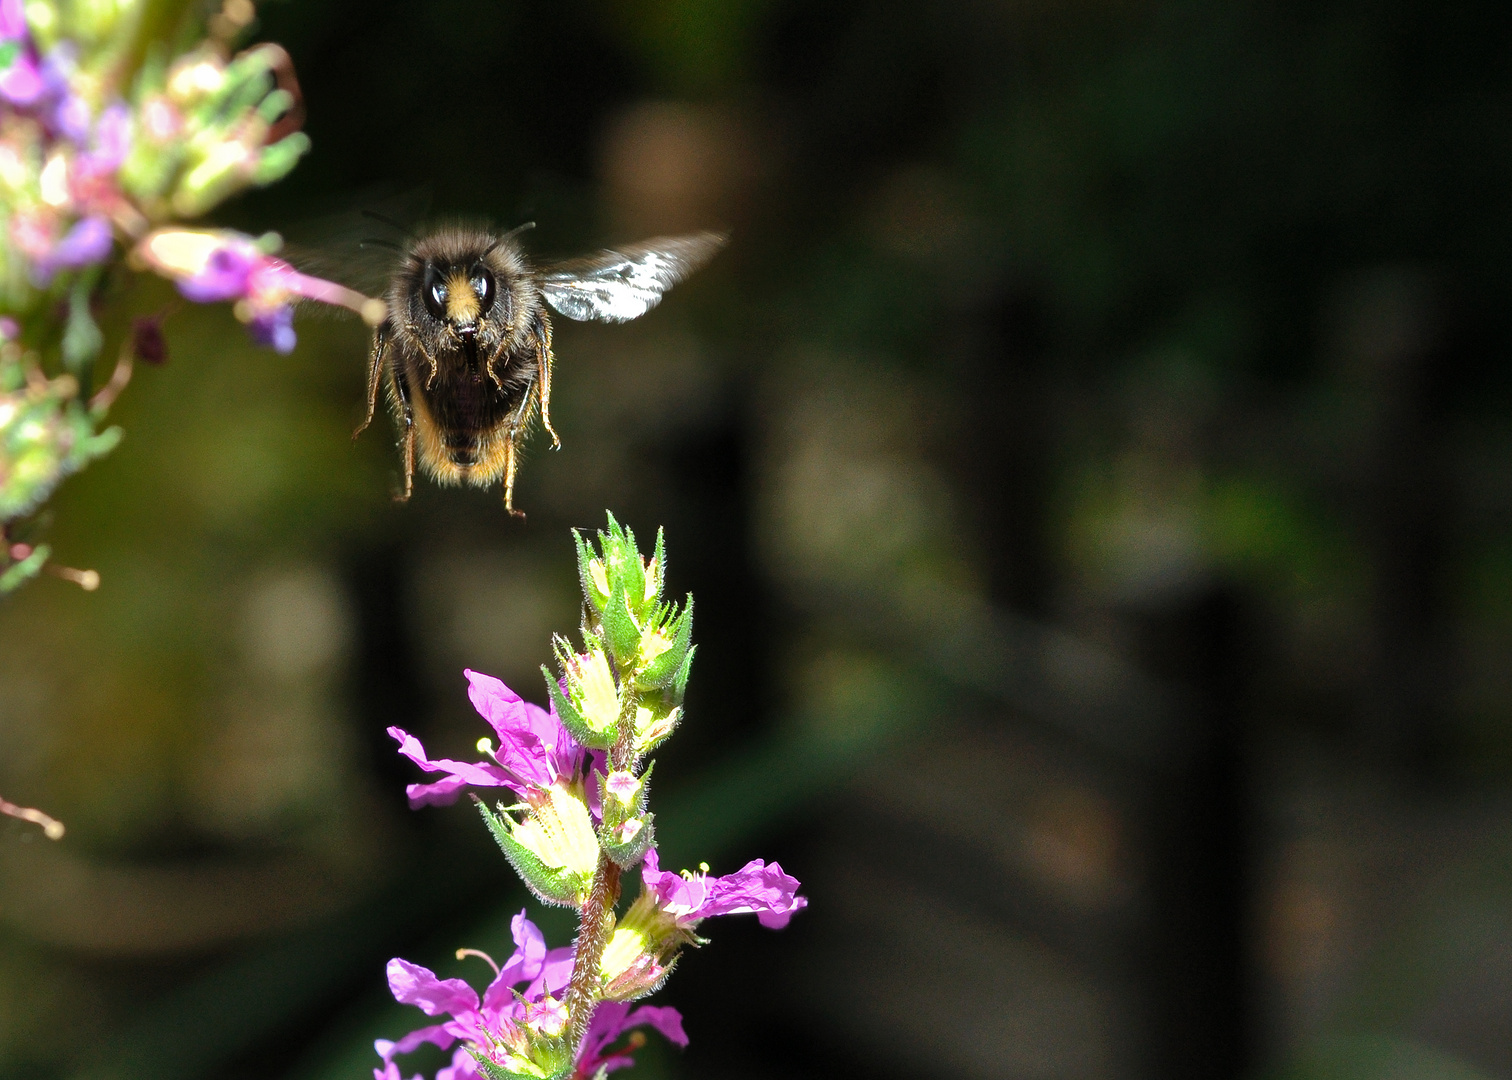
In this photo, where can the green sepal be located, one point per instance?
(621, 634)
(659, 560)
(627, 855)
(549, 886)
(277, 161)
(274, 105)
(661, 670)
(680, 680)
(572, 720)
(592, 597)
(623, 569)
(498, 1072)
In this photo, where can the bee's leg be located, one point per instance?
(510, 441)
(430, 379)
(518, 424)
(407, 418)
(543, 382)
(493, 372)
(375, 373)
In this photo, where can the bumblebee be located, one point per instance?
(465, 350)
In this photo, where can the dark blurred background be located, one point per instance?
(1091, 461)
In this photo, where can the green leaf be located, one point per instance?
(622, 566)
(659, 558)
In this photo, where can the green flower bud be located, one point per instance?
(590, 707)
(627, 831)
(553, 848)
(642, 951)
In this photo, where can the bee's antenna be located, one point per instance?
(390, 222)
(516, 231)
(388, 244)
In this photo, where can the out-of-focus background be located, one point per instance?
(1092, 460)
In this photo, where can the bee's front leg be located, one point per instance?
(375, 373)
(430, 378)
(492, 364)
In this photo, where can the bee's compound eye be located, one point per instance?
(434, 293)
(483, 285)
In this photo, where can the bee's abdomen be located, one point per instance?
(461, 447)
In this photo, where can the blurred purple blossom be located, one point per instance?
(21, 81)
(274, 327)
(87, 242)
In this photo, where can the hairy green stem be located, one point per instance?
(596, 918)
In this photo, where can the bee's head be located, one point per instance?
(462, 289)
(460, 297)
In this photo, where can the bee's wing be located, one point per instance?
(616, 286)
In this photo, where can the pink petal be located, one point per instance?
(664, 1018)
(412, 984)
(525, 965)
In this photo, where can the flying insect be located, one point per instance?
(465, 350)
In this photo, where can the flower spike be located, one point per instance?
(583, 819)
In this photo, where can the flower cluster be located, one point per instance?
(519, 1023)
(107, 141)
(579, 777)
(92, 153)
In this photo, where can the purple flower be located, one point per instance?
(87, 242)
(496, 1022)
(534, 751)
(755, 888)
(612, 1019)
(214, 265)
